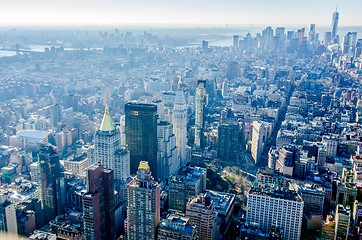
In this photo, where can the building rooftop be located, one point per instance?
(222, 201)
(178, 224)
(107, 123)
(275, 191)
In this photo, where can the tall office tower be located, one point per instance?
(200, 103)
(176, 228)
(122, 130)
(141, 134)
(106, 95)
(349, 44)
(168, 161)
(259, 138)
(205, 45)
(235, 42)
(143, 210)
(335, 19)
(312, 33)
(343, 215)
(55, 115)
(228, 141)
(107, 149)
(233, 70)
(99, 204)
(267, 38)
(187, 183)
(327, 38)
(8, 221)
(280, 32)
(358, 51)
(271, 206)
(288, 156)
(179, 121)
(51, 185)
(201, 211)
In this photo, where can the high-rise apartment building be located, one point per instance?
(201, 211)
(200, 103)
(141, 134)
(143, 205)
(108, 151)
(342, 220)
(179, 121)
(270, 206)
(51, 185)
(168, 160)
(99, 204)
(8, 221)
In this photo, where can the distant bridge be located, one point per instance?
(17, 50)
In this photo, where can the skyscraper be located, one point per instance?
(168, 160)
(228, 138)
(335, 19)
(51, 186)
(235, 42)
(179, 121)
(259, 138)
(141, 134)
(99, 204)
(143, 205)
(200, 103)
(107, 149)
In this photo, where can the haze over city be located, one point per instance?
(180, 120)
(187, 12)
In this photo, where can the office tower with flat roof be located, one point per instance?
(51, 185)
(176, 227)
(228, 141)
(200, 104)
(312, 33)
(179, 121)
(201, 211)
(143, 205)
(108, 151)
(335, 19)
(235, 42)
(187, 183)
(99, 204)
(8, 221)
(141, 134)
(270, 206)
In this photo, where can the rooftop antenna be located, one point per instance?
(337, 6)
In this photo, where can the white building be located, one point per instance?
(269, 206)
(107, 149)
(29, 139)
(8, 221)
(331, 143)
(168, 160)
(200, 103)
(179, 121)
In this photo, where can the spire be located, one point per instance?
(107, 123)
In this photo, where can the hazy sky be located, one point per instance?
(199, 12)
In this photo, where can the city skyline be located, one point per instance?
(160, 12)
